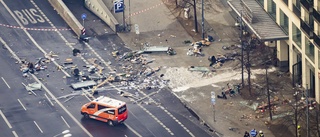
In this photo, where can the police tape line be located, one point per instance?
(36, 29)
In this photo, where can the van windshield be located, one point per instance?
(122, 109)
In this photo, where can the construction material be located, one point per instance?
(31, 87)
(199, 69)
(109, 79)
(168, 50)
(83, 84)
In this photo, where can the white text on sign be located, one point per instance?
(27, 16)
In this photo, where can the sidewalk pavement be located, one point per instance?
(159, 27)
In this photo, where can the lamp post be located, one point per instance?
(307, 101)
(242, 47)
(202, 21)
(305, 96)
(296, 112)
(65, 133)
(195, 16)
(268, 92)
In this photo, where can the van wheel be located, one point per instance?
(110, 122)
(85, 115)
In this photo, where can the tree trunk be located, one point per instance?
(176, 3)
(195, 16)
(249, 67)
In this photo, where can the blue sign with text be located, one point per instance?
(118, 6)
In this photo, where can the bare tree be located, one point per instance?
(248, 47)
(180, 7)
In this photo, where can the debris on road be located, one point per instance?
(199, 69)
(68, 61)
(94, 65)
(83, 84)
(75, 52)
(31, 87)
(164, 49)
(115, 53)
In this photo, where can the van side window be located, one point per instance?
(92, 105)
(122, 109)
(101, 107)
(110, 112)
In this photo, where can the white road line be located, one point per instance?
(21, 104)
(135, 132)
(15, 134)
(5, 119)
(154, 117)
(36, 79)
(5, 82)
(49, 99)
(86, 94)
(5, 44)
(37, 126)
(65, 121)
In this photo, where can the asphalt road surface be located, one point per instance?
(26, 30)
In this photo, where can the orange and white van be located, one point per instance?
(106, 109)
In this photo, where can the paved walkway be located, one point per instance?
(159, 27)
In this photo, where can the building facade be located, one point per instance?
(300, 52)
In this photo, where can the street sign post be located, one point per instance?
(136, 28)
(213, 102)
(118, 6)
(83, 16)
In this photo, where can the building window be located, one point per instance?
(296, 35)
(296, 3)
(319, 59)
(309, 49)
(286, 2)
(272, 9)
(284, 21)
(318, 32)
(261, 2)
(308, 19)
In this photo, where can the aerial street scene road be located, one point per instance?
(159, 68)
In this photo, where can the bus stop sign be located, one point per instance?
(83, 16)
(213, 98)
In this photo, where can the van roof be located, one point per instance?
(103, 100)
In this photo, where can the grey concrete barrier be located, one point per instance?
(99, 8)
(67, 15)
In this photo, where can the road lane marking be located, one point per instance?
(5, 44)
(37, 126)
(154, 117)
(49, 99)
(35, 29)
(15, 134)
(130, 128)
(65, 121)
(22, 104)
(5, 119)
(5, 82)
(36, 79)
